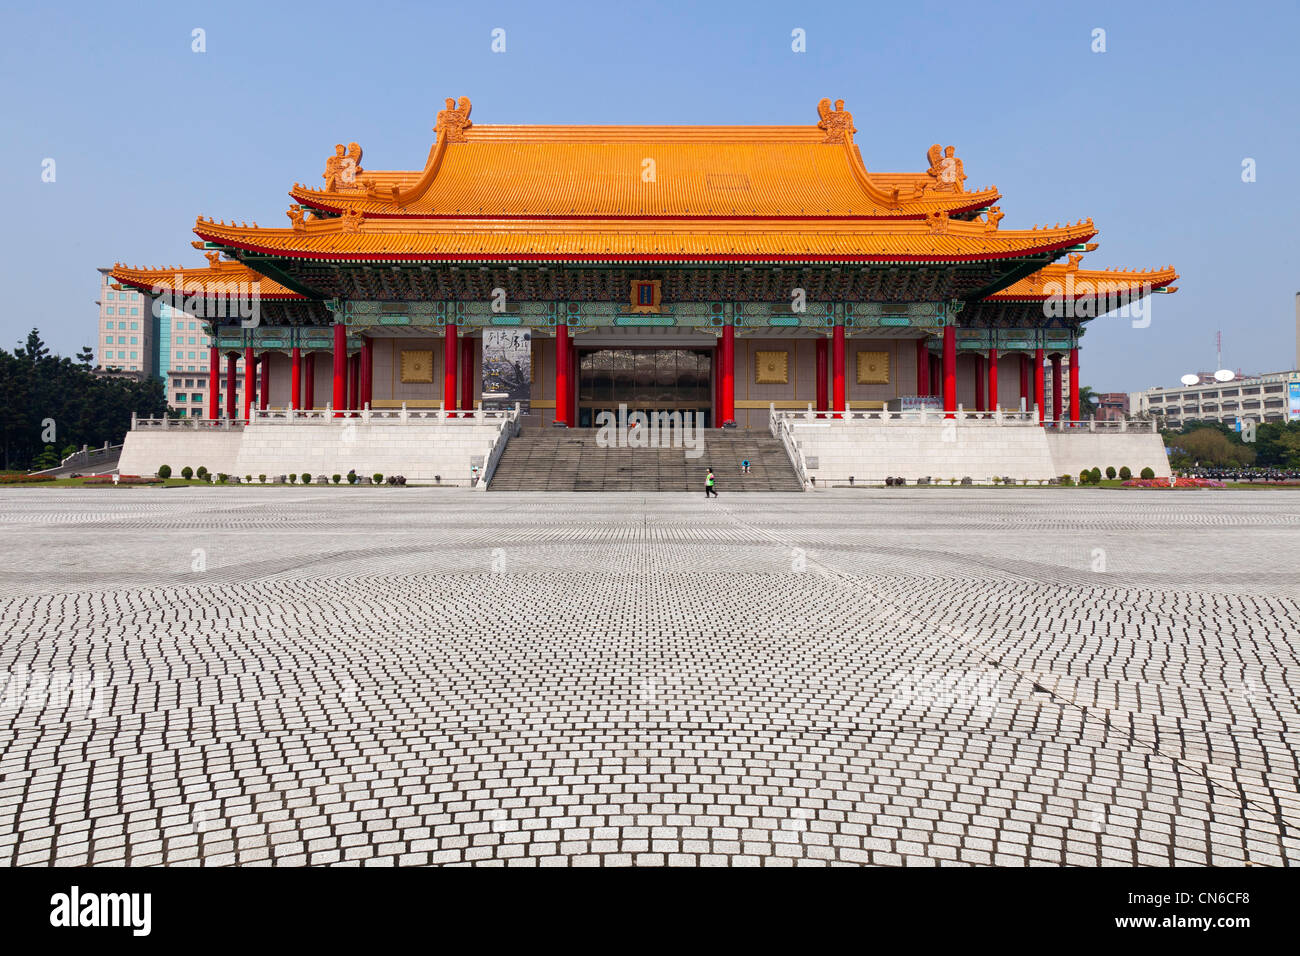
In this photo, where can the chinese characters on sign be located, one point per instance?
(507, 368)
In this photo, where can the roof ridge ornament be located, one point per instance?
(342, 169)
(453, 121)
(351, 221)
(992, 218)
(946, 170)
(837, 123)
(296, 217)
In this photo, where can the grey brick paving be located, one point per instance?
(383, 676)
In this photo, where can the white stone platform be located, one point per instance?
(872, 446)
(421, 444)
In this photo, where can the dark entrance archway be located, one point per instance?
(645, 379)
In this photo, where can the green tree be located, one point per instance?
(39, 390)
(1275, 443)
(1088, 403)
(1210, 447)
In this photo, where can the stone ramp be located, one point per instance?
(572, 460)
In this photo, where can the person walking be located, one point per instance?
(708, 485)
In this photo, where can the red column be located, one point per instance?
(295, 378)
(250, 381)
(367, 372)
(309, 382)
(1039, 398)
(922, 367)
(993, 379)
(717, 385)
(949, 369)
(981, 369)
(837, 370)
(467, 374)
(1024, 382)
(232, 380)
(449, 367)
(1056, 387)
(340, 395)
(354, 381)
(214, 383)
(822, 355)
(1074, 384)
(573, 382)
(728, 374)
(561, 374)
(264, 392)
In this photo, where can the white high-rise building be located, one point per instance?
(125, 338)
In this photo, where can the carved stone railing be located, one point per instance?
(781, 426)
(999, 417)
(508, 429)
(289, 416)
(186, 424)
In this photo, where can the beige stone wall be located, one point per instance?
(1073, 451)
(872, 451)
(144, 451)
(388, 389)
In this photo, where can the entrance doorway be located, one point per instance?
(645, 379)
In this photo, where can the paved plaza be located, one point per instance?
(425, 676)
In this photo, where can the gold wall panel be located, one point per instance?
(873, 368)
(771, 368)
(417, 365)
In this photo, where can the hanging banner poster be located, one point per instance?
(507, 369)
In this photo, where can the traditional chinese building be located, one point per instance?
(713, 269)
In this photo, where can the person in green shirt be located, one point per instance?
(708, 485)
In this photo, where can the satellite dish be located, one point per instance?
(1224, 375)
(1190, 379)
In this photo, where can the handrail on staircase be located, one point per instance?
(508, 428)
(780, 428)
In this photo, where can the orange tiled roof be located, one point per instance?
(217, 278)
(356, 238)
(1067, 279)
(589, 172)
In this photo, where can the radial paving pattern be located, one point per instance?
(403, 676)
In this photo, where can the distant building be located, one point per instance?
(125, 339)
(1112, 406)
(1274, 397)
(183, 359)
(140, 336)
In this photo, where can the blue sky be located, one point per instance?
(1148, 138)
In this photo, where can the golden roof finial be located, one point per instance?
(946, 170)
(453, 121)
(343, 168)
(837, 123)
